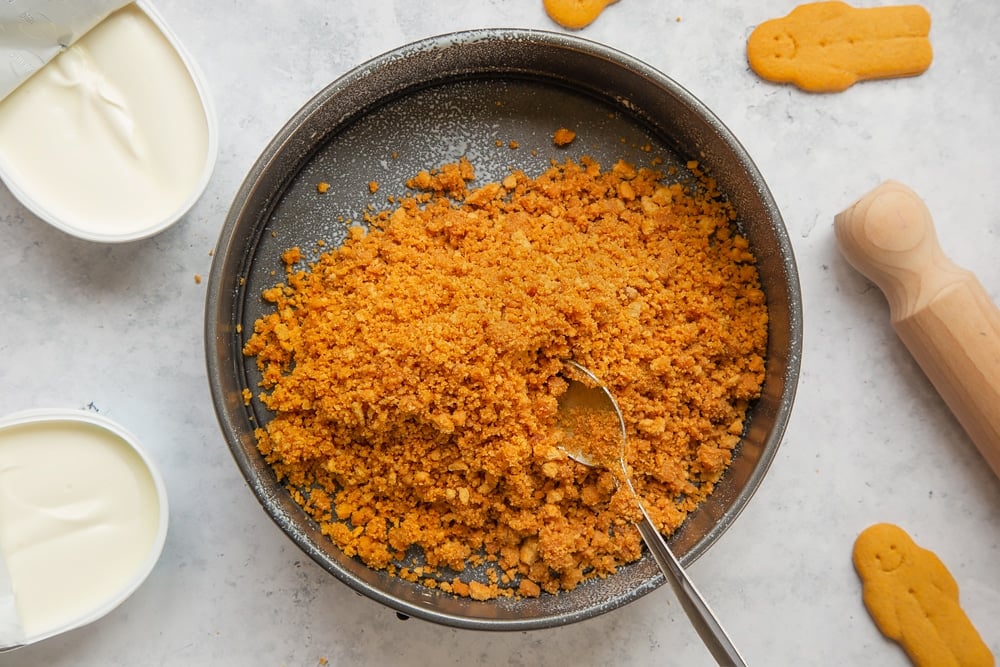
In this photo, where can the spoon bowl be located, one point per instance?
(592, 421)
(595, 434)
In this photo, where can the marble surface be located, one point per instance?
(118, 329)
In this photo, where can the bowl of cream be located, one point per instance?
(106, 129)
(83, 520)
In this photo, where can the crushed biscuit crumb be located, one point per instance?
(413, 372)
(563, 137)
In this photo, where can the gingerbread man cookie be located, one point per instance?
(575, 14)
(829, 46)
(914, 600)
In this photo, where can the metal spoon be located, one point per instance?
(593, 422)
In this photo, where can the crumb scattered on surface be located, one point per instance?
(563, 137)
(322, 187)
(197, 279)
(413, 372)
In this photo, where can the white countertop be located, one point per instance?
(119, 329)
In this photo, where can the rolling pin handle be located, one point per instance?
(941, 312)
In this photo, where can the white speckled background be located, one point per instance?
(119, 328)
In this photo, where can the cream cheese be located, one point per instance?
(112, 140)
(82, 521)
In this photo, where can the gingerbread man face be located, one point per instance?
(886, 554)
(773, 50)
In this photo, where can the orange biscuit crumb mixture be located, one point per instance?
(563, 137)
(413, 372)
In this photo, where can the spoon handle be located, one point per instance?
(940, 311)
(698, 611)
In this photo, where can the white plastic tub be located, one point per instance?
(114, 138)
(83, 520)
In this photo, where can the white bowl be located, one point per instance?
(83, 520)
(115, 138)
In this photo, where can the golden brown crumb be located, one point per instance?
(529, 589)
(563, 137)
(413, 372)
(197, 279)
(322, 187)
(373, 186)
(512, 144)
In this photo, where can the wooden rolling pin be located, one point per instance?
(941, 312)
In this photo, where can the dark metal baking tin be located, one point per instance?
(473, 94)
